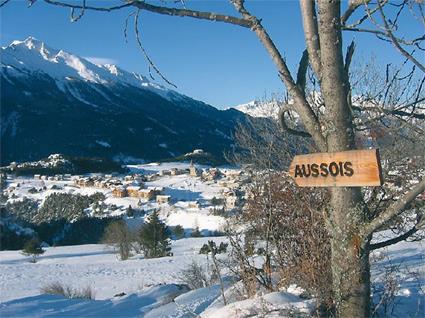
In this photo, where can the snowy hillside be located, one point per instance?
(152, 287)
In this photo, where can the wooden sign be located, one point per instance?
(354, 168)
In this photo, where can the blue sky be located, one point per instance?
(220, 64)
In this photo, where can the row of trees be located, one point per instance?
(153, 238)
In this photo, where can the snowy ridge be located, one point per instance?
(257, 108)
(34, 56)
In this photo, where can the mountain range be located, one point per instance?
(53, 101)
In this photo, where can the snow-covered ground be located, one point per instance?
(94, 265)
(153, 287)
(98, 267)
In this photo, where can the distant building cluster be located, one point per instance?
(230, 181)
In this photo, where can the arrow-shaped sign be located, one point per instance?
(355, 168)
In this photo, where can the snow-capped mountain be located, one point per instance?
(31, 55)
(257, 108)
(57, 102)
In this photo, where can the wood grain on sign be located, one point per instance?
(353, 168)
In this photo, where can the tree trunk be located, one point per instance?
(350, 254)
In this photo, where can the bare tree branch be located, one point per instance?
(161, 10)
(364, 18)
(399, 238)
(349, 56)
(385, 112)
(395, 209)
(139, 42)
(292, 131)
(302, 71)
(4, 2)
(126, 25)
(193, 14)
(311, 34)
(352, 6)
(301, 105)
(396, 43)
(75, 6)
(79, 16)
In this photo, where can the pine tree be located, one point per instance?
(154, 238)
(33, 248)
(196, 232)
(178, 232)
(130, 211)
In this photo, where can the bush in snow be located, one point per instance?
(57, 288)
(33, 248)
(212, 249)
(195, 276)
(118, 234)
(154, 237)
(286, 226)
(196, 232)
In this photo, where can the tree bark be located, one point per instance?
(350, 255)
(350, 252)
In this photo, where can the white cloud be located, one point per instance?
(100, 60)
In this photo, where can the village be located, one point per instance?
(188, 194)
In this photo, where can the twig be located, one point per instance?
(75, 19)
(139, 42)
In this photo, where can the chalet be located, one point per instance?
(133, 191)
(176, 171)
(104, 184)
(119, 192)
(37, 176)
(163, 199)
(194, 172)
(211, 174)
(98, 183)
(165, 172)
(139, 178)
(194, 205)
(146, 194)
(222, 183)
(85, 182)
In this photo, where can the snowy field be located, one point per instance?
(152, 285)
